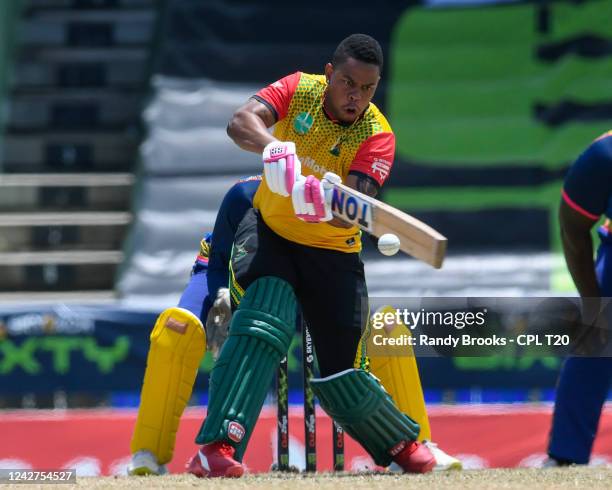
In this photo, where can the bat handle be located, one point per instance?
(330, 178)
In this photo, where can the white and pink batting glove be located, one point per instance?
(312, 197)
(282, 167)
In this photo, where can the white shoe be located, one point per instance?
(145, 463)
(444, 462)
(553, 463)
(550, 463)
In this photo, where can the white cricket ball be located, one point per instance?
(388, 244)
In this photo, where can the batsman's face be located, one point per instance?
(351, 86)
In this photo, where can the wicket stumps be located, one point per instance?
(282, 417)
(310, 420)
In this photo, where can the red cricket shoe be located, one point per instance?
(413, 457)
(215, 460)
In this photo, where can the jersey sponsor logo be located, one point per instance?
(352, 209)
(382, 167)
(314, 166)
(235, 431)
(302, 123)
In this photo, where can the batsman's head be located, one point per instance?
(352, 77)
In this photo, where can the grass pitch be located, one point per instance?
(542, 479)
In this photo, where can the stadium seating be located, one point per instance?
(77, 84)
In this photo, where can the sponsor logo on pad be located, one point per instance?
(235, 431)
(398, 448)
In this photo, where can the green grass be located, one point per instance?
(520, 479)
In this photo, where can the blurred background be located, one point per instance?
(114, 160)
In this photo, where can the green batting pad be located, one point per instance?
(359, 404)
(260, 334)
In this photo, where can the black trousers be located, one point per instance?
(330, 287)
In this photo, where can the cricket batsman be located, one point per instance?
(289, 248)
(162, 402)
(153, 441)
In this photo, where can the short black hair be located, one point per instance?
(360, 47)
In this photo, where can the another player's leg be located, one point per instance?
(578, 408)
(336, 313)
(399, 375)
(178, 343)
(578, 403)
(260, 334)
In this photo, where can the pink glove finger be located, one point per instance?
(289, 173)
(311, 182)
(318, 200)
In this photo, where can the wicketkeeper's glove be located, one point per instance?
(218, 321)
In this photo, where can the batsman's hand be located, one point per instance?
(282, 167)
(312, 197)
(218, 321)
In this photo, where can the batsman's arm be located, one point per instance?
(248, 127)
(370, 168)
(578, 249)
(249, 124)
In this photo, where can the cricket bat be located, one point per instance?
(416, 238)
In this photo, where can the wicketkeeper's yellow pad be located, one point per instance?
(398, 372)
(178, 344)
